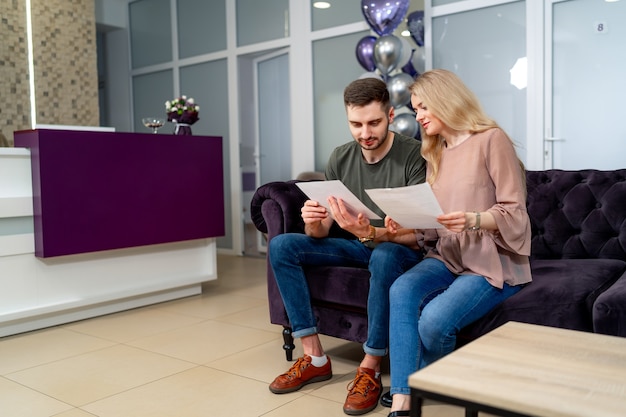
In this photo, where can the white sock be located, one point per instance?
(318, 361)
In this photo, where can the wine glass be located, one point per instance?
(153, 123)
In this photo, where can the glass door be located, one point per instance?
(273, 122)
(585, 85)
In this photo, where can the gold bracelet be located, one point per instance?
(370, 237)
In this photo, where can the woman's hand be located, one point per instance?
(454, 222)
(391, 225)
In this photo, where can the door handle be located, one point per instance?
(552, 139)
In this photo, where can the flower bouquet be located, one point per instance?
(183, 112)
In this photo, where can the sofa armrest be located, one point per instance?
(275, 208)
(609, 310)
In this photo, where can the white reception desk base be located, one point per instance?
(38, 293)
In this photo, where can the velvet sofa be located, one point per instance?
(578, 260)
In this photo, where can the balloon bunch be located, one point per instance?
(395, 60)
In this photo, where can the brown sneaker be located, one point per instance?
(363, 392)
(300, 374)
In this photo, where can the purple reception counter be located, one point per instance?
(96, 191)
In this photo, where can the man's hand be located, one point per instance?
(358, 225)
(313, 212)
(317, 220)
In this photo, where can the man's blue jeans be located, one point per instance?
(430, 306)
(289, 253)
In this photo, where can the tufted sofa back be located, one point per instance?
(577, 214)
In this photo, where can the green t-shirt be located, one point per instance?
(403, 165)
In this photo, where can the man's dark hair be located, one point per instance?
(364, 91)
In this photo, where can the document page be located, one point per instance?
(320, 191)
(412, 207)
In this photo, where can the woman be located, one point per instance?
(480, 257)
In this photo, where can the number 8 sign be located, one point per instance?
(600, 28)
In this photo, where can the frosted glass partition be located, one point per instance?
(339, 13)
(207, 83)
(482, 47)
(150, 32)
(201, 27)
(588, 85)
(260, 21)
(334, 67)
(150, 92)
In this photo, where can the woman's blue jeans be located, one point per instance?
(430, 305)
(289, 253)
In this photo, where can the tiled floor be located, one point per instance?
(209, 355)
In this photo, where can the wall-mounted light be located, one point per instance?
(31, 65)
(321, 5)
(519, 73)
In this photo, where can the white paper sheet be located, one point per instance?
(412, 207)
(320, 191)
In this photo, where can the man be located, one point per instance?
(377, 158)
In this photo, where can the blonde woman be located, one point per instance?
(480, 256)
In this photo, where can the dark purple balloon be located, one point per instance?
(384, 16)
(365, 53)
(409, 68)
(415, 24)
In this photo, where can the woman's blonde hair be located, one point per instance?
(445, 96)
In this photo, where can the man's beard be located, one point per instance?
(379, 141)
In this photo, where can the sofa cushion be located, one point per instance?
(561, 294)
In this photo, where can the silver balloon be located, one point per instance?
(407, 52)
(398, 86)
(419, 60)
(405, 124)
(372, 74)
(387, 53)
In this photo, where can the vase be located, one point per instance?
(182, 129)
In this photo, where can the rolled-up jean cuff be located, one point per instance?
(405, 391)
(374, 352)
(304, 332)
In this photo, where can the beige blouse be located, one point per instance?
(483, 174)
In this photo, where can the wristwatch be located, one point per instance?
(369, 237)
(477, 224)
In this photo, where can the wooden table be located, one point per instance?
(528, 370)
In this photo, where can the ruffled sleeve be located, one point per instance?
(509, 210)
